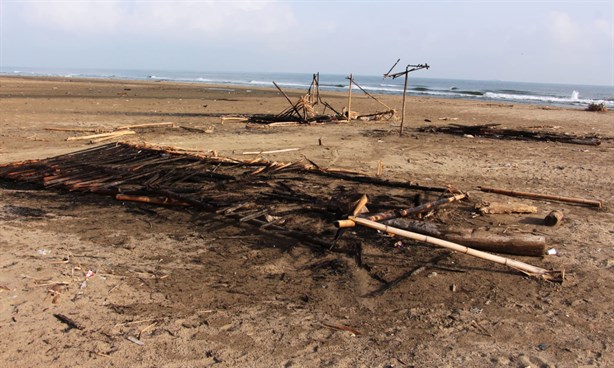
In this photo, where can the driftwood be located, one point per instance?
(414, 210)
(588, 202)
(501, 208)
(554, 218)
(489, 130)
(519, 244)
(549, 275)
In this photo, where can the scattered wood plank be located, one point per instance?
(503, 208)
(512, 193)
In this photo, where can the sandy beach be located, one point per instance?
(194, 292)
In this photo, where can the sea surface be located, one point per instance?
(567, 95)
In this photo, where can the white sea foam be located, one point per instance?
(572, 100)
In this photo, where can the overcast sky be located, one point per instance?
(532, 41)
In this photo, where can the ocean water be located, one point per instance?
(567, 95)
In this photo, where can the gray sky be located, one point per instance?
(532, 41)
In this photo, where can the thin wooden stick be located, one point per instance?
(126, 132)
(148, 125)
(512, 193)
(273, 151)
(101, 135)
(368, 94)
(80, 130)
(549, 275)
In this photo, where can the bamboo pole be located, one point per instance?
(512, 193)
(362, 202)
(289, 101)
(549, 275)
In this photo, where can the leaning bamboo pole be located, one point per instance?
(549, 275)
(298, 114)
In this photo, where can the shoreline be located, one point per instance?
(545, 100)
(295, 91)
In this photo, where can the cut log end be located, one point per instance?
(554, 218)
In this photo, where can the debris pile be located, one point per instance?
(491, 131)
(305, 109)
(298, 200)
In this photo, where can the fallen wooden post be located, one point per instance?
(512, 193)
(549, 275)
(519, 244)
